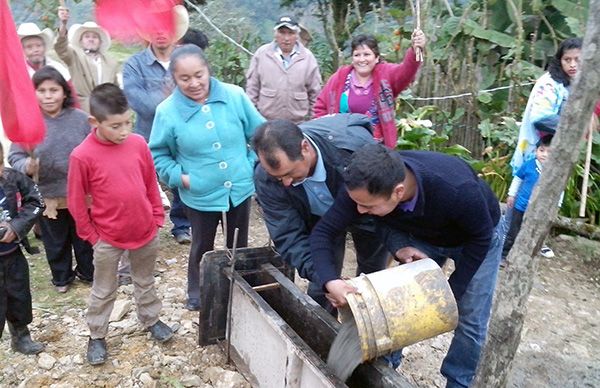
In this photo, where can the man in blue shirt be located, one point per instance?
(425, 204)
(146, 83)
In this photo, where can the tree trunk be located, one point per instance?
(578, 226)
(513, 289)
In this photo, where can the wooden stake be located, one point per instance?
(586, 169)
(418, 51)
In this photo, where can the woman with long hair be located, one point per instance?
(66, 127)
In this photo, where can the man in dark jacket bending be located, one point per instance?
(425, 204)
(297, 179)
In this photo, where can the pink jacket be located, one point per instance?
(389, 79)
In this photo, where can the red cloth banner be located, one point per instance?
(135, 20)
(21, 116)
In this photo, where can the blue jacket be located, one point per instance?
(208, 142)
(146, 84)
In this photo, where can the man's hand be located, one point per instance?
(510, 202)
(337, 290)
(10, 235)
(409, 254)
(63, 15)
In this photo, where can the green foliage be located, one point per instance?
(415, 132)
(228, 64)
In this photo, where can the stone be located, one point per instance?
(191, 381)
(46, 361)
(78, 359)
(120, 309)
(147, 380)
(65, 360)
(231, 379)
(187, 324)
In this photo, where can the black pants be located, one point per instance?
(515, 226)
(15, 295)
(204, 228)
(59, 236)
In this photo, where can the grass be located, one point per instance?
(45, 297)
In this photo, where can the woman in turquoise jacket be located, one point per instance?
(199, 142)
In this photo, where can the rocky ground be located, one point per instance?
(559, 347)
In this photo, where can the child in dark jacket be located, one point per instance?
(20, 206)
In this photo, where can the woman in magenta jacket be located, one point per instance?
(370, 86)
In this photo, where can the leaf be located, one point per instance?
(575, 26)
(568, 8)
(504, 40)
(484, 97)
(457, 150)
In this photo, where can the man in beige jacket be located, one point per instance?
(283, 80)
(84, 50)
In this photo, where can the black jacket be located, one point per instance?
(15, 185)
(287, 210)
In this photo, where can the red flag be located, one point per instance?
(134, 20)
(21, 116)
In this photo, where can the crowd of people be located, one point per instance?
(319, 160)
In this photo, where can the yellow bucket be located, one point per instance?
(400, 306)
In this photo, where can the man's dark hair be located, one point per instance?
(49, 73)
(107, 99)
(375, 168)
(276, 135)
(555, 67)
(365, 40)
(197, 37)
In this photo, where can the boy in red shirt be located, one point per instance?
(113, 170)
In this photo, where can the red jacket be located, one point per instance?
(389, 79)
(126, 210)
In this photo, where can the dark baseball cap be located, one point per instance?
(287, 21)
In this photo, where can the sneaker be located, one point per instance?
(62, 289)
(193, 304)
(160, 331)
(183, 238)
(547, 252)
(96, 351)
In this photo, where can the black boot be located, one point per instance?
(21, 340)
(96, 351)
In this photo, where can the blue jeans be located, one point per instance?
(177, 214)
(474, 308)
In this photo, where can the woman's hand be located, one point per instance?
(418, 39)
(185, 181)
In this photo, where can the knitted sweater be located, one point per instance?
(120, 179)
(63, 133)
(454, 208)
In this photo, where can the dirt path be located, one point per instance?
(559, 347)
